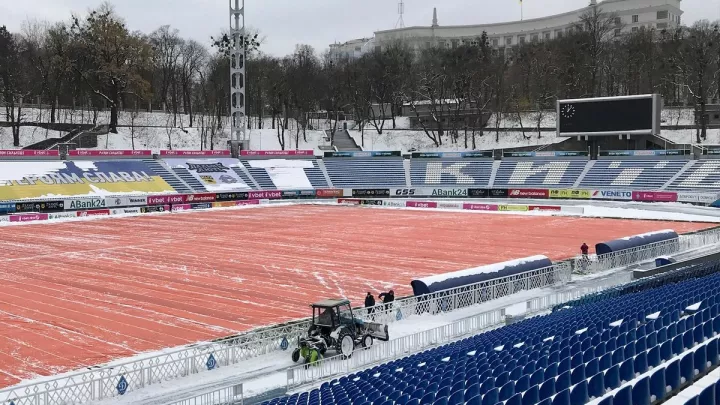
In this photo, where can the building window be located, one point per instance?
(534, 38)
(635, 18)
(495, 42)
(558, 33)
(662, 15)
(662, 26)
(546, 35)
(508, 40)
(617, 32)
(454, 43)
(521, 39)
(358, 49)
(634, 29)
(618, 20)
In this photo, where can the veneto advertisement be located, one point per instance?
(67, 178)
(215, 174)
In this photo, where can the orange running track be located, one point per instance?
(84, 293)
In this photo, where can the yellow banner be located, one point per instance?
(224, 204)
(19, 180)
(513, 208)
(568, 194)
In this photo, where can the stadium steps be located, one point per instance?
(173, 180)
(323, 169)
(677, 175)
(261, 176)
(343, 141)
(406, 166)
(493, 175)
(188, 178)
(246, 177)
(582, 175)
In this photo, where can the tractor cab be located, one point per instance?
(328, 315)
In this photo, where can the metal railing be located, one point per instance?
(624, 258)
(415, 343)
(121, 378)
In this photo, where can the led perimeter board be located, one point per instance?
(626, 115)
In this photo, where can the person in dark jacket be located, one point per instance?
(369, 303)
(387, 297)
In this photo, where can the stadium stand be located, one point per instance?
(539, 173)
(636, 347)
(632, 174)
(159, 168)
(450, 172)
(703, 174)
(263, 171)
(366, 172)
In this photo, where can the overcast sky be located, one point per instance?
(285, 23)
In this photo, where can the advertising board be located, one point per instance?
(421, 204)
(571, 194)
(444, 192)
(654, 196)
(481, 207)
(528, 193)
(611, 195)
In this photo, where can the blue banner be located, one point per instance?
(545, 154)
(663, 152)
(7, 207)
(363, 154)
(473, 154)
(712, 152)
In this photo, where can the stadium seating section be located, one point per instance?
(633, 346)
(397, 172)
(201, 174)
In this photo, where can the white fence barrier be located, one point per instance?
(628, 257)
(107, 382)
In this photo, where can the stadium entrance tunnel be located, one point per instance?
(635, 241)
(464, 278)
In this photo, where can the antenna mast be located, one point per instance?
(401, 11)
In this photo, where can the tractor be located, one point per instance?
(334, 327)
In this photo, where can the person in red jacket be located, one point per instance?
(584, 249)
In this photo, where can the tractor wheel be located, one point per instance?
(367, 341)
(345, 345)
(296, 355)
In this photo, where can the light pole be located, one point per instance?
(238, 118)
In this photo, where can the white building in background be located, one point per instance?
(631, 16)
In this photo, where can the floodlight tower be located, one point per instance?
(401, 11)
(238, 124)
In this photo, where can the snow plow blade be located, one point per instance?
(378, 331)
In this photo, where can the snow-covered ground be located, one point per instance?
(158, 130)
(28, 136)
